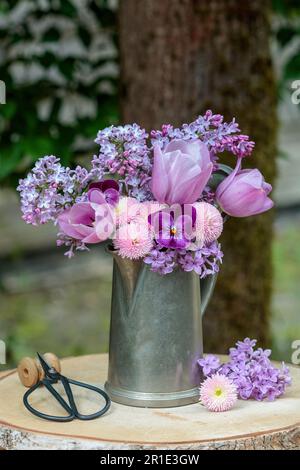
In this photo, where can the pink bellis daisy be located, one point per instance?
(127, 210)
(209, 223)
(218, 393)
(133, 240)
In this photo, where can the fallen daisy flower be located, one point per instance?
(218, 393)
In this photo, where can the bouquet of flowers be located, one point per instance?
(160, 197)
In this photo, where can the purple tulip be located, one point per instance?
(180, 171)
(244, 193)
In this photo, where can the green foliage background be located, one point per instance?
(59, 61)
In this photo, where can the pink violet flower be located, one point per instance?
(218, 393)
(244, 193)
(180, 171)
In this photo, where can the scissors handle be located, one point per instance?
(53, 392)
(70, 407)
(100, 392)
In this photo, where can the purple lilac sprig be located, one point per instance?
(211, 129)
(204, 261)
(71, 244)
(251, 371)
(124, 152)
(162, 261)
(50, 188)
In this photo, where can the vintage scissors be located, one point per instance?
(53, 377)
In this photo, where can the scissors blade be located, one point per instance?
(44, 364)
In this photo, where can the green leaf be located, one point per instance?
(67, 8)
(218, 176)
(51, 35)
(285, 35)
(286, 8)
(8, 110)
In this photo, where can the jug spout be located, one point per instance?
(129, 270)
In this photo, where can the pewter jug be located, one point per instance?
(155, 335)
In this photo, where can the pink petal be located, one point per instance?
(82, 213)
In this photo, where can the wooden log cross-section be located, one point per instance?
(250, 425)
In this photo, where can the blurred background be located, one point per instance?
(72, 67)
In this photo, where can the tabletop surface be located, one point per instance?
(251, 424)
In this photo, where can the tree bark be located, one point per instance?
(179, 58)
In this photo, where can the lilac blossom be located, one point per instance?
(49, 189)
(209, 364)
(124, 152)
(71, 243)
(211, 129)
(204, 261)
(251, 371)
(162, 261)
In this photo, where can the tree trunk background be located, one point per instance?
(179, 58)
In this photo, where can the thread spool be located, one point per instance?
(52, 360)
(31, 372)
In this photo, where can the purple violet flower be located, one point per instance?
(171, 232)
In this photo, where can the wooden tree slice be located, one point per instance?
(250, 425)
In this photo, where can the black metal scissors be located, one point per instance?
(53, 377)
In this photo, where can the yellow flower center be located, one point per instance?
(218, 392)
(173, 230)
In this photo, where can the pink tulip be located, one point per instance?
(180, 171)
(90, 222)
(244, 193)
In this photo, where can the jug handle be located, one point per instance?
(207, 286)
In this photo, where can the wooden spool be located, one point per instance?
(249, 425)
(30, 370)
